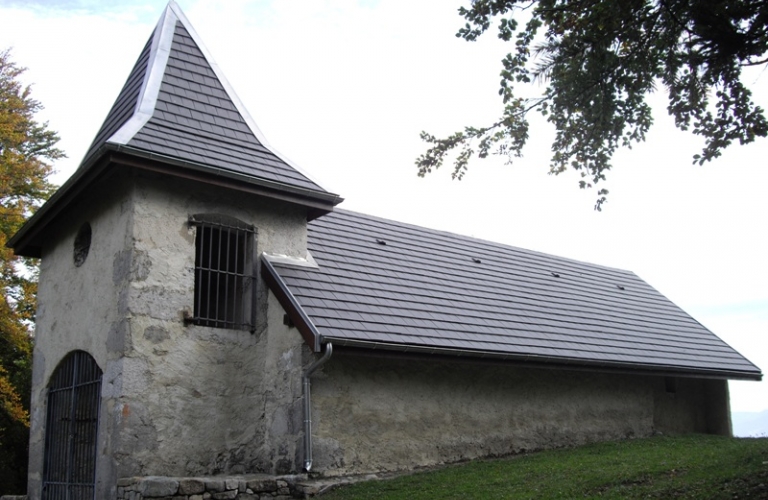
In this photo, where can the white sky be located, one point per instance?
(343, 88)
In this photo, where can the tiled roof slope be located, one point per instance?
(178, 105)
(384, 284)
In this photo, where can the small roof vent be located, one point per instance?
(380, 242)
(476, 260)
(556, 275)
(620, 287)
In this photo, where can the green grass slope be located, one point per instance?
(694, 467)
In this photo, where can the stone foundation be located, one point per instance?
(249, 487)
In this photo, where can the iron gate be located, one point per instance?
(74, 397)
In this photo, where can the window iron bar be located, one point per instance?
(223, 286)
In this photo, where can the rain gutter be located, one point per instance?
(373, 347)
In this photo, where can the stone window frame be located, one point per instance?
(225, 272)
(82, 244)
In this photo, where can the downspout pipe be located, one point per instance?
(308, 405)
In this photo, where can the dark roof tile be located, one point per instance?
(420, 291)
(189, 107)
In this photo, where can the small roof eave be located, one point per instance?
(23, 242)
(312, 197)
(288, 301)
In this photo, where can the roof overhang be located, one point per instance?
(361, 347)
(288, 301)
(28, 240)
(315, 339)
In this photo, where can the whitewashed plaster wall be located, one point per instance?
(375, 414)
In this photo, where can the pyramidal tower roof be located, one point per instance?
(177, 115)
(177, 106)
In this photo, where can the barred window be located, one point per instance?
(224, 272)
(74, 398)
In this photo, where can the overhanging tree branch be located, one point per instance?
(601, 59)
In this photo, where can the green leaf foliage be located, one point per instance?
(26, 147)
(600, 59)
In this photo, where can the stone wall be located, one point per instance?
(684, 405)
(80, 308)
(249, 487)
(382, 414)
(178, 400)
(198, 400)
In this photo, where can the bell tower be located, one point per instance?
(159, 351)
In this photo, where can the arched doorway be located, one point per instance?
(74, 397)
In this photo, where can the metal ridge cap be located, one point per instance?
(233, 95)
(561, 362)
(162, 41)
(326, 196)
(307, 262)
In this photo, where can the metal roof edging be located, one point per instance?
(162, 41)
(233, 95)
(286, 298)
